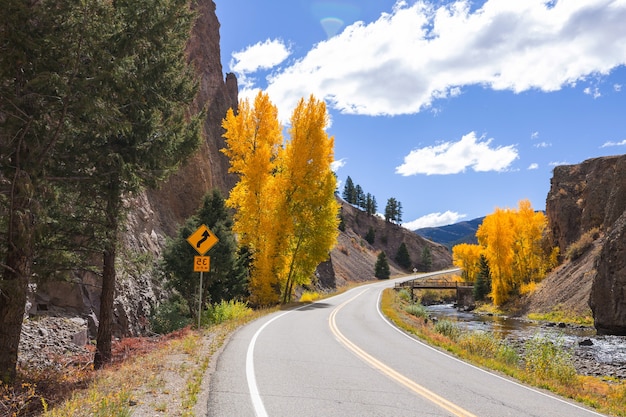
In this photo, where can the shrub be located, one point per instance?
(170, 316)
(582, 245)
(309, 296)
(488, 345)
(549, 359)
(449, 329)
(404, 295)
(226, 310)
(417, 310)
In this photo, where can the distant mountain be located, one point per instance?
(453, 234)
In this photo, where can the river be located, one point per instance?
(592, 354)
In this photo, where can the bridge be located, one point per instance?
(464, 289)
(433, 284)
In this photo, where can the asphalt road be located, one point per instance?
(340, 357)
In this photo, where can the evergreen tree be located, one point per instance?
(370, 236)
(482, 285)
(94, 92)
(360, 197)
(427, 258)
(228, 275)
(393, 211)
(403, 258)
(374, 207)
(349, 191)
(381, 268)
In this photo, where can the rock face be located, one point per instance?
(587, 196)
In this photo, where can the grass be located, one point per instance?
(559, 315)
(546, 364)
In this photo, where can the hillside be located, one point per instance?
(452, 234)
(353, 258)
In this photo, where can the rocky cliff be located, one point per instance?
(584, 197)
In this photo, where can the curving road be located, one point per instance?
(340, 357)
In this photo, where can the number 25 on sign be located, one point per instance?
(201, 263)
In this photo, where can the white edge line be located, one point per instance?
(393, 326)
(255, 396)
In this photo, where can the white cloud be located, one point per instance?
(542, 145)
(594, 92)
(417, 53)
(534, 135)
(610, 144)
(557, 163)
(533, 166)
(335, 165)
(617, 87)
(434, 220)
(456, 157)
(260, 56)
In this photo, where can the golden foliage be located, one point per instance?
(286, 210)
(512, 241)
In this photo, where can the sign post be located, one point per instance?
(202, 240)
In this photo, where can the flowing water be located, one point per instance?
(593, 354)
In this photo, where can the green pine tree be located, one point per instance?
(381, 268)
(427, 258)
(403, 258)
(482, 285)
(228, 276)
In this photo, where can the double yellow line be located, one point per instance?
(394, 375)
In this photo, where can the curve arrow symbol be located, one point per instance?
(205, 236)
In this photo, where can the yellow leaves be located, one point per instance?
(512, 241)
(286, 210)
(467, 257)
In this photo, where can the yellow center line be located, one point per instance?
(391, 373)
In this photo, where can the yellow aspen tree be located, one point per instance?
(496, 235)
(528, 260)
(253, 143)
(308, 186)
(467, 257)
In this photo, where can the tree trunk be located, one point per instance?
(103, 341)
(17, 270)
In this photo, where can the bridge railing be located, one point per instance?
(433, 284)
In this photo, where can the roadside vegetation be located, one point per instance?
(136, 377)
(541, 363)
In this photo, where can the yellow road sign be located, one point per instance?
(201, 263)
(202, 239)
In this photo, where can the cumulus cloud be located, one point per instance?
(611, 144)
(260, 56)
(434, 220)
(533, 166)
(455, 157)
(418, 53)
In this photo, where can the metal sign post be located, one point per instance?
(202, 240)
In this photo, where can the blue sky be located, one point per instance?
(452, 108)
